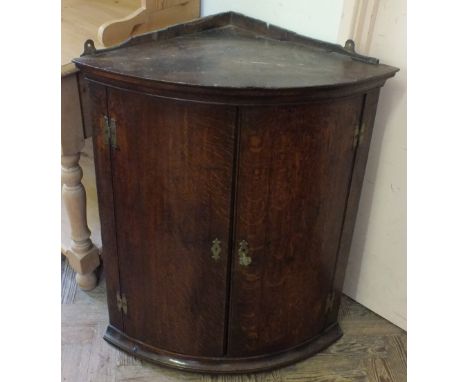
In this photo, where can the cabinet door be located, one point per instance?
(294, 173)
(172, 173)
(103, 166)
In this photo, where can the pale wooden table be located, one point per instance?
(82, 20)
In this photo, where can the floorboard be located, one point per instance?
(371, 349)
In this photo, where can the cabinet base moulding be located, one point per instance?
(223, 365)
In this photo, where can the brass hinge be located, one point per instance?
(359, 133)
(329, 302)
(110, 131)
(122, 303)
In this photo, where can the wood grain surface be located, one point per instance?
(274, 174)
(371, 350)
(292, 189)
(230, 50)
(102, 162)
(81, 20)
(172, 175)
(183, 174)
(352, 204)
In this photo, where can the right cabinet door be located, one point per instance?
(295, 166)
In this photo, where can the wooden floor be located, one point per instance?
(372, 349)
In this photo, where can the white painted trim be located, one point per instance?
(357, 23)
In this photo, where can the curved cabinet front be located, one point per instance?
(295, 164)
(172, 181)
(222, 226)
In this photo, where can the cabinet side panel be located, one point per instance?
(368, 117)
(102, 163)
(172, 187)
(294, 174)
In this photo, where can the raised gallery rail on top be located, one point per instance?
(236, 19)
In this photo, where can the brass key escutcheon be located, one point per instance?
(216, 250)
(243, 252)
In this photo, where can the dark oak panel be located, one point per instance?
(294, 169)
(103, 165)
(172, 189)
(232, 51)
(360, 161)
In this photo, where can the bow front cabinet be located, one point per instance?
(229, 158)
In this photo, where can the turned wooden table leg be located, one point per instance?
(83, 255)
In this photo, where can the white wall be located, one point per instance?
(376, 273)
(314, 18)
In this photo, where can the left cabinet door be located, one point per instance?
(172, 168)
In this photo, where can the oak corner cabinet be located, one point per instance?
(229, 156)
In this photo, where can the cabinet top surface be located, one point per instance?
(230, 50)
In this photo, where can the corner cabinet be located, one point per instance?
(229, 159)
